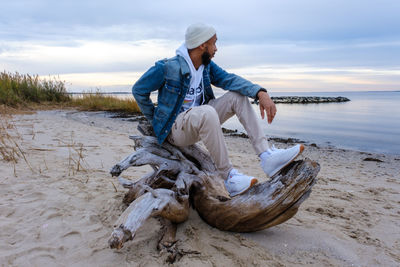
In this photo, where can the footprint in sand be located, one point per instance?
(37, 256)
(32, 197)
(73, 237)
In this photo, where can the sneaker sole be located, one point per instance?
(290, 161)
(253, 182)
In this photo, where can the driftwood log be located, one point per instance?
(184, 177)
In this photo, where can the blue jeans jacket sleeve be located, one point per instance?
(232, 82)
(150, 81)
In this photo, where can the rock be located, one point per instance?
(228, 131)
(307, 99)
(372, 159)
(289, 140)
(286, 140)
(234, 133)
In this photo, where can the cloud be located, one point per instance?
(304, 78)
(84, 56)
(98, 37)
(359, 53)
(252, 21)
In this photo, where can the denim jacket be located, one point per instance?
(171, 77)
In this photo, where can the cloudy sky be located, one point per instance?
(288, 45)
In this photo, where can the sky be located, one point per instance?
(285, 46)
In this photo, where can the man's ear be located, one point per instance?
(203, 46)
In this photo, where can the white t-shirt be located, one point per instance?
(195, 94)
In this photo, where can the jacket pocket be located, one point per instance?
(168, 95)
(172, 89)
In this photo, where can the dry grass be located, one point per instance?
(10, 149)
(21, 89)
(76, 157)
(31, 92)
(100, 102)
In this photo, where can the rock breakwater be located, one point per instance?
(307, 99)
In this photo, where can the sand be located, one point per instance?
(55, 215)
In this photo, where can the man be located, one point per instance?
(188, 111)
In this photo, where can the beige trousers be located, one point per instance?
(204, 123)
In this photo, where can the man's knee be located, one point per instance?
(209, 115)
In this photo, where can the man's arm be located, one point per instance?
(233, 82)
(150, 81)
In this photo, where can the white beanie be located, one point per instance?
(197, 34)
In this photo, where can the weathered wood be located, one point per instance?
(167, 243)
(264, 205)
(167, 236)
(156, 202)
(188, 175)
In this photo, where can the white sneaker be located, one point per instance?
(238, 183)
(274, 160)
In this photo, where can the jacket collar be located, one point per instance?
(184, 66)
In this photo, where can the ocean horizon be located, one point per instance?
(369, 122)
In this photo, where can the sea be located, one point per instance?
(370, 122)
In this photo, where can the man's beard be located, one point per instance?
(205, 58)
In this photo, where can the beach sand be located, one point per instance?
(54, 215)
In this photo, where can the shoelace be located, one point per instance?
(234, 172)
(273, 148)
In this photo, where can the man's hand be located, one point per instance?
(266, 104)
